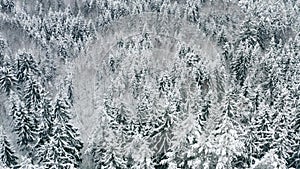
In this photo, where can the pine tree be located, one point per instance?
(7, 79)
(34, 94)
(224, 145)
(45, 127)
(282, 120)
(60, 151)
(106, 148)
(26, 66)
(24, 127)
(139, 151)
(242, 60)
(63, 147)
(7, 154)
(61, 110)
(262, 126)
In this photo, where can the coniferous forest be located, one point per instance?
(149, 84)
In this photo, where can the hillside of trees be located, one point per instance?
(149, 84)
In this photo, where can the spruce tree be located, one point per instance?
(262, 126)
(106, 148)
(25, 127)
(7, 154)
(61, 109)
(282, 120)
(227, 140)
(60, 152)
(45, 127)
(26, 66)
(188, 132)
(242, 60)
(8, 79)
(34, 94)
(63, 147)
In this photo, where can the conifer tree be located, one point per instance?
(45, 127)
(7, 154)
(242, 60)
(226, 142)
(138, 151)
(106, 149)
(61, 110)
(262, 123)
(24, 127)
(63, 147)
(25, 66)
(48, 68)
(60, 152)
(282, 120)
(7, 79)
(34, 94)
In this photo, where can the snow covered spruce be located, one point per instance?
(149, 84)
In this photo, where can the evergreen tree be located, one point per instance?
(62, 150)
(227, 141)
(242, 60)
(26, 66)
(7, 154)
(34, 94)
(26, 163)
(107, 148)
(139, 151)
(262, 126)
(48, 68)
(46, 115)
(269, 72)
(61, 110)
(7, 80)
(24, 127)
(3, 50)
(189, 132)
(45, 127)
(282, 121)
(168, 115)
(76, 8)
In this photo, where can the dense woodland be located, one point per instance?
(234, 104)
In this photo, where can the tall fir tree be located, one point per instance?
(8, 79)
(107, 147)
(25, 127)
(25, 66)
(7, 154)
(63, 148)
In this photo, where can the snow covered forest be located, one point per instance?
(149, 84)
